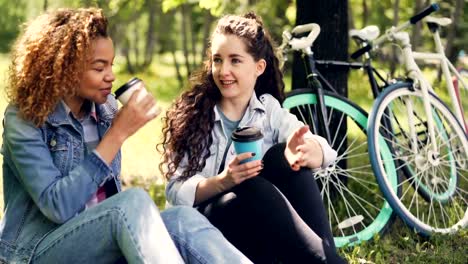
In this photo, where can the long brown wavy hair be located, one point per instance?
(189, 121)
(49, 58)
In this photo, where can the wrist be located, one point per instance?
(221, 182)
(116, 135)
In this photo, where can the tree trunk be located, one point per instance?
(153, 13)
(46, 5)
(365, 13)
(185, 37)
(208, 20)
(351, 24)
(450, 50)
(136, 49)
(396, 19)
(177, 66)
(193, 34)
(331, 44)
(417, 28)
(126, 52)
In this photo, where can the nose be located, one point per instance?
(224, 69)
(110, 77)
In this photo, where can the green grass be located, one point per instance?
(399, 245)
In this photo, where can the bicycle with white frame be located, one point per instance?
(428, 141)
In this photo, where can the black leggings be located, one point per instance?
(278, 215)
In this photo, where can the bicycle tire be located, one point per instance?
(446, 196)
(359, 202)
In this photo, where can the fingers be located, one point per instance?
(144, 102)
(241, 172)
(243, 156)
(301, 131)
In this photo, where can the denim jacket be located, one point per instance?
(265, 113)
(47, 176)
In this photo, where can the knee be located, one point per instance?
(136, 200)
(274, 159)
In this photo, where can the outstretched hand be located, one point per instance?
(300, 152)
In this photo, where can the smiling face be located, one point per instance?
(234, 70)
(96, 83)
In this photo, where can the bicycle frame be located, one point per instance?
(447, 69)
(414, 73)
(316, 81)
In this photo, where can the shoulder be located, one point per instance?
(12, 117)
(269, 102)
(14, 125)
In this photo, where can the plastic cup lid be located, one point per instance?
(246, 134)
(126, 86)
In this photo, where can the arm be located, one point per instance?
(59, 197)
(319, 152)
(198, 188)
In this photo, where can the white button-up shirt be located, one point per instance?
(265, 113)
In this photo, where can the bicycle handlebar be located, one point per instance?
(393, 30)
(432, 8)
(304, 42)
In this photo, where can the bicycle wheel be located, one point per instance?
(357, 210)
(441, 175)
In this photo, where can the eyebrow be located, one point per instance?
(230, 55)
(99, 61)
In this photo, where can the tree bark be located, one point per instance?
(396, 19)
(153, 13)
(193, 35)
(208, 20)
(417, 28)
(365, 13)
(450, 50)
(185, 37)
(331, 44)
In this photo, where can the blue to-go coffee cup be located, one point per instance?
(248, 139)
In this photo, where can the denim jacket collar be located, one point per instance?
(60, 115)
(254, 104)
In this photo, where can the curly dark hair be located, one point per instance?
(190, 120)
(49, 57)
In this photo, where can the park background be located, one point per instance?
(162, 41)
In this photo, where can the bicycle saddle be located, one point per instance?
(367, 34)
(441, 21)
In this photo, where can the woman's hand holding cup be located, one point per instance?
(139, 107)
(238, 170)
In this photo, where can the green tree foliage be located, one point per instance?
(13, 15)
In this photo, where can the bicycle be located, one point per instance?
(357, 210)
(428, 141)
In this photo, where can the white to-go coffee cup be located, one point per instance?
(124, 92)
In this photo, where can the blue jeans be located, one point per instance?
(129, 225)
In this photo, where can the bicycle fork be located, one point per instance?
(416, 76)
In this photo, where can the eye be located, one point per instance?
(236, 61)
(99, 69)
(216, 60)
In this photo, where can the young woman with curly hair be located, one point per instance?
(61, 159)
(270, 209)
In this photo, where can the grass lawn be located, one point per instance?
(399, 245)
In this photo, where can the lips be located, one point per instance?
(227, 83)
(106, 91)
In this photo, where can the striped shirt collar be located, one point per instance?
(90, 107)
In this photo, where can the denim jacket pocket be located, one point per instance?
(59, 146)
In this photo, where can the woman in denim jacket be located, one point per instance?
(269, 209)
(61, 148)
